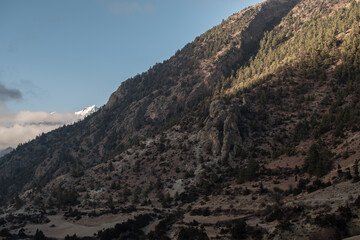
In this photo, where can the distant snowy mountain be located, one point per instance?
(86, 111)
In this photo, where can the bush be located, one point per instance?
(316, 185)
(248, 173)
(192, 233)
(73, 237)
(65, 197)
(5, 233)
(39, 235)
(333, 221)
(326, 233)
(317, 161)
(301, 131)
(239, 229)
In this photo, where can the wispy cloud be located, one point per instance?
(7, 94)
(129, 8)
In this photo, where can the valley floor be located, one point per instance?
(216, 215)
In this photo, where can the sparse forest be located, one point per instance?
(251, 131)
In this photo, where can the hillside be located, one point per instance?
(142, 104)
(250, 131)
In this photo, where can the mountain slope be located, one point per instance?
(251, 131)
(145, 102)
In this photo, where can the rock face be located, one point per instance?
(225, 132)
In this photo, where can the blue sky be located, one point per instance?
(64, 55)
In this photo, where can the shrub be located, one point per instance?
(301, 131)
(317, 161)
(65, 197)
(326, 233)
(249, 172)
(192, 233)
(39, 235)
(239, 229)
(5, 233)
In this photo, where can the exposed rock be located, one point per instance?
(226, 129)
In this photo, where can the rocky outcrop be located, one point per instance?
(226, 129)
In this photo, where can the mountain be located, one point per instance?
(251, 131)
(6, 151)
(86, 111)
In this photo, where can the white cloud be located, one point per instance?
(12, 136)
(28, 117)
(23, 126)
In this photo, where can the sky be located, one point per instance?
(64, 55)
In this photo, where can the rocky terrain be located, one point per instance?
(249, 132)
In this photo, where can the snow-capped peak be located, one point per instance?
(86, 111)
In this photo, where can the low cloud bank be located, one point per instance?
(23, 126)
